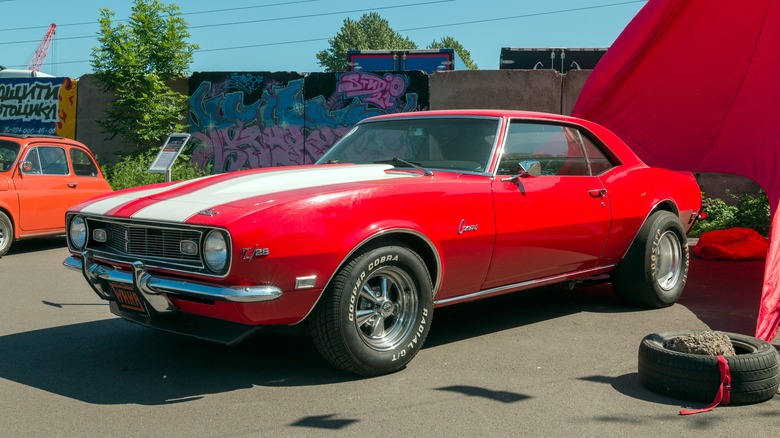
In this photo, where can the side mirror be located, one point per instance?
(525, 169)
(529, 168)
(27, 166)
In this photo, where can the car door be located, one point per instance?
(46, 186)
(555, 217)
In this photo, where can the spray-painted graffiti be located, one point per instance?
(247, 120)
(35, 106)
(250, 120)
(382, 91)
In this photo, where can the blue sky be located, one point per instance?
(285, 35)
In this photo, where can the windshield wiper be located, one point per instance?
(395, 161)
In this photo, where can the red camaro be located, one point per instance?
(406, 213)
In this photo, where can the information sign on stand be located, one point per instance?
(168, 154)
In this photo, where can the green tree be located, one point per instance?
(449, 42)
(136, 62)
(370, 32)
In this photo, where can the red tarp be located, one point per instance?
(731, 244)
(693, 85)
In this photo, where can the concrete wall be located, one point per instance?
(92, 104)
(534, 90)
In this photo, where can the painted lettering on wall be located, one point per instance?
(29, 101)
(38, 106)
(382, 91)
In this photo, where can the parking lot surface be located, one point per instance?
(548, 362)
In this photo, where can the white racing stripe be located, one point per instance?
(180, 208)
(105, 205)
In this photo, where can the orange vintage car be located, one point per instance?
(40, 178)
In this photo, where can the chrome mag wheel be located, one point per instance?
(386, 308)
(668, 263)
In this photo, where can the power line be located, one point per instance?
(537, 14)
(322, 14)
(183, 13)
(462, 23)
(514, 17)
(264, 20)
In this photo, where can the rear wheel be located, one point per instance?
(6, 234)
(376, 314)
(655, 269)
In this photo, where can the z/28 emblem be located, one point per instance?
(250, 253)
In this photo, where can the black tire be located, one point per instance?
(755, 374)
(377, 332)
(6, 234)
(655, 269)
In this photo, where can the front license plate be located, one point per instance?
(128, 298)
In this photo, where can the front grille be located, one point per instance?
(153, 244)
(144, 241)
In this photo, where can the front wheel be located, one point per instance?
(655, 269)
(376, 313)
(6, 234)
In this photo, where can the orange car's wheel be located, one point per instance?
(376, 313)
(6, 234)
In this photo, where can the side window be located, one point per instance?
(599, 163)
(48, 160)
(557, 150)
(82, 163)
(8, 152)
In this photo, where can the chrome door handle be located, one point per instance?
(73, 185)
(598, 193)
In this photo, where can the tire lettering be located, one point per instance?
(653, 253)
(353, 295)
(381, 260)
(420, 330)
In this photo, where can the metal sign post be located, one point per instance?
(170, 150)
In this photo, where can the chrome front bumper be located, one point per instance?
(154, 289)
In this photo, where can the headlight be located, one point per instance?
(78, 232)
(215, 250)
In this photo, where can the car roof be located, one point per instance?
(536, 115)
(3, 134)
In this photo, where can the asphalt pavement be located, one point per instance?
(548, 362)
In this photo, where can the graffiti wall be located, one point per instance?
(38, 106)
(242, 120)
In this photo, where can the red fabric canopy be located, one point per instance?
(692, 85)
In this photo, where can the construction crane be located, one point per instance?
(39, 56)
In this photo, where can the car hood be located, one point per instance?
(180, 201)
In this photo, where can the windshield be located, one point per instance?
(456, 143)
(8, 152)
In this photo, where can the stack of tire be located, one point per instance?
(755, 373)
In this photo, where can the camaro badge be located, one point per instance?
(250, 253)
(462, 227)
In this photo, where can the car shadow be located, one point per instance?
(473, 319)
(38, 244)
(114, 362)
